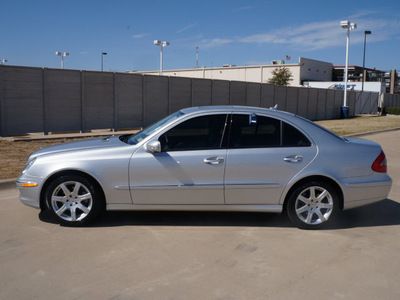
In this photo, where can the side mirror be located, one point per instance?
(153, 146)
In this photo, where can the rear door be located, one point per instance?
(264, 154)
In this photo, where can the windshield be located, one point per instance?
(141, 135)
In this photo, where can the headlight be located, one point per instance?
(28, 165)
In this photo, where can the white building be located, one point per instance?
(305, 70)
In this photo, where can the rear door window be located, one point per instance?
(250, 131)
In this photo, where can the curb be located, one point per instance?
(371, 132)
(7, 183)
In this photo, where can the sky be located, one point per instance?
(233, 32)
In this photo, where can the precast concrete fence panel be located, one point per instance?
(55, 100)
(180, 93)
(253, 94)
(62, 100)
(391, 100)
(220, 92)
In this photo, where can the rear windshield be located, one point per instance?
(323, 128)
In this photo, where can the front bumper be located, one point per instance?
(29, 190)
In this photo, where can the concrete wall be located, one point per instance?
(314, 70)
(54, 100)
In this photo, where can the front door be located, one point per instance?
(189, 169)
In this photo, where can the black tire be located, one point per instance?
(73, 200)
(313, 205)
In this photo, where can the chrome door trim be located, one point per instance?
(175, 186)
(252, 185)
(122, 187)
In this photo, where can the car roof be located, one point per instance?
(304, 123)
(234, 108)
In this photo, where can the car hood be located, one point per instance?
(103, 142)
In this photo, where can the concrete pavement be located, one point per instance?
(179, 255)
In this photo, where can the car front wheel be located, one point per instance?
(73, 200)
(313, 205)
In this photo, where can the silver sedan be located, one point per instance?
(219, 158)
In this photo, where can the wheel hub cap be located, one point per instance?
(71, 201)
(314, 205)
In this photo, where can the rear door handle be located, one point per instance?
(214, 160)
(293, 158)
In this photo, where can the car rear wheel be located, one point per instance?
(73, 200)
(313, 205)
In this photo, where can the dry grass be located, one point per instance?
(361, 124)
(13, 155)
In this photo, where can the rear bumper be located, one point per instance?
(362, 192)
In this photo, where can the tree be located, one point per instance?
(281, 76)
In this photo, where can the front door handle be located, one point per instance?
(293, 158)
(214, 160)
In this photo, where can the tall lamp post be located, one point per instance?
(365, 41)
(349, 26)
(162, 45)
(102, 64)
(62, 54)
(3, 61)
(197, 57)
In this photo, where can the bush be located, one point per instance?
(391, 110)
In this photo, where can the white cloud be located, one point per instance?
(318, 35)
(314, 36)
(139, 36)
(210, 43)
(185, 28)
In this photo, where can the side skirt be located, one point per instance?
(255, 208)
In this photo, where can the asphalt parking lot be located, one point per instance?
(182, 255)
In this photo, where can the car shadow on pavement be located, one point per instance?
(383, 213)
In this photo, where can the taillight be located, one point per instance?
(380, 164)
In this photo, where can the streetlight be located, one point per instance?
(62, 54)
(197, 57)
(365, 40)
(349, 26)
(102, 55)
(3, 61)
(162, 45)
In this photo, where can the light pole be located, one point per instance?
(162, 45)
(197, 57)
(365, 41)
(62, 54)
(102, 55)
(349, 26)
(3, 61)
